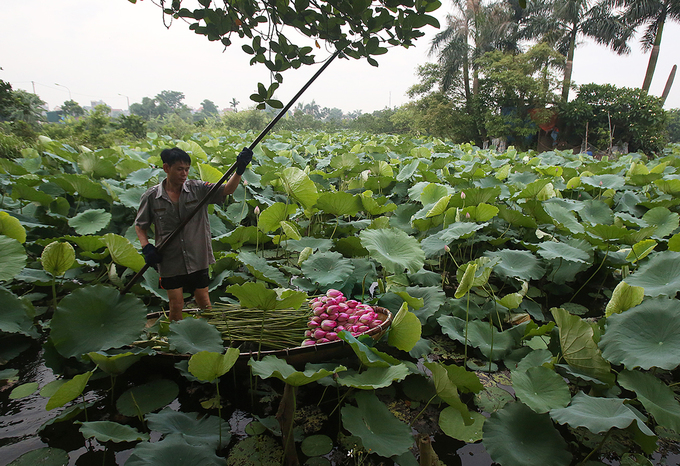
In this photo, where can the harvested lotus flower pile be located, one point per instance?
(334, 313)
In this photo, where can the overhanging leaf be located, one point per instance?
(57, 258)
(105, 431)
(15, 317)
(271, 366)
(451, 423)
(254, 295)
(123, 252)
(208, 366)
(339, 203)
(623, 298)
(518, 264)
(298, 185)
(68, 391)
(553, 250)
(373, 377)
(657, 397)
(47, 456)
(271, 217)
(405, 330)
(663, 220)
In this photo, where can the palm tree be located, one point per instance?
(473, 31)
(561, 23)
(652, 14)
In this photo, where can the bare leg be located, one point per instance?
(202, 298)
(176, 298)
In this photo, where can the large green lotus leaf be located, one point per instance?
(298, 185)
(57, 258)
(517, 436)
(190, 336)
(90, 222)
(173, 450)
(195, 428)
(578, 346)
(87, 243)
(209, 173)
(394, 249)
(96, 318)
(327, 268)
(550, 250)
(131, 196)
(597, 414)
(645, 336)
(603, 182)
(123, 252)
(379, 430)
(254, 295)
(142, 176)
(493, 344)
(94, 164)
(368, 356)
(480, 213)
(408, 170)
(29, 193)
(339, 203)
(23, 390)
(518, 264)
(433, 297)
(271, 217)
(15, 315)
(623, 298)
(68, 391)
(541, 389)
(315, 244)
(596, 212)
(47, 456)
(373, 377)
(466, 281)
(562, 216)
(105, 431)
(261, 269)
(376, 206)
(659, 276)
(438, 207)
(665, 221)
(208, 366)
(606, 233)
(12, 227)
(641, 249)
(82, 185)
(533, 189)
(405, 330)
(118, 363)
(459, 230)
(143, 399)
(13, 258)
(447, 389)
(657, 397)
(271, 366)
(670, 186)
(452, 424)
(516, 218)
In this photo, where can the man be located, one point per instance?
(183, 266)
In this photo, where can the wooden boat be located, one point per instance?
(296, 356)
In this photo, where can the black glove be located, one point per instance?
(151, 255)
(242, 160)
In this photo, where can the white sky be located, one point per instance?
(100, 49)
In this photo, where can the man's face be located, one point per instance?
(177, 172)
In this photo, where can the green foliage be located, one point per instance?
(633, 116)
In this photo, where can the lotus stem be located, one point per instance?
(422, 410)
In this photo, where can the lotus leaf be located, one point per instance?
(517, 436)
(271, 217)
(327, 268)
(561, 216)
(271, 366)
(407, 170)
(394, 249)
(635, 338)
(467, 281)
(23, 390)
(535, 358)
(368, 355)
(57, 258)
(664, 221)
(208, 366)
(379, 430)
(13, 258)
(541, 389)
(11, 227)
(68, 391)
(258, 450)
(373, 377)
(447, 389)
(317, 445)
(298, 185)
(16, 315)
(554, 250)
(659, 276)
(596, 212)
(598, 414)
(173, 450)
(606, 181)
(117, 364)
(458, 230)
(105, 431)
(480, 213)
(90, 222)
(405, 330)
(493, 344)
(641, 250)
(261, 269)
(339, 203)
(517, 264)
(451, 423)
(195, 428)
(190, 336)
(123, 252)
(82, 185)
(377, 206)
(254, 295)
(657, 397)
(578, 346)
(144, 399)
(623, 298)
(47, 456)
(96, 318)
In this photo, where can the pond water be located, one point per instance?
(21, 419)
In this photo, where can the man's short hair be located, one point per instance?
(174, 155)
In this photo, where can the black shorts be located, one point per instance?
(188, 283)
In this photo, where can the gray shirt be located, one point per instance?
(191, 250)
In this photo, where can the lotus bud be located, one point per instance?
(308, 342)
(323, 316)
(323, 340)
(351, 303)
(447, 248)
(342, 317)
(257, 210)
(340, 328)
(319, 334)
(462, 195)
(343, 307)
(352, 319)
(332, 293)
(331, 301)
(328, 324)
(311, 324)
(333, 309)
(362, 328)
(332, 336)
(308, 333)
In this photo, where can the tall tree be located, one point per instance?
(72, 108)
(652, 15)
(561, 23)
(172, 99)
(234, 104)
(27, 107)
(210, 109)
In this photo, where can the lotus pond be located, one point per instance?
(534, 304)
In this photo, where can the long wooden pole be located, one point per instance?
(229, 172)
